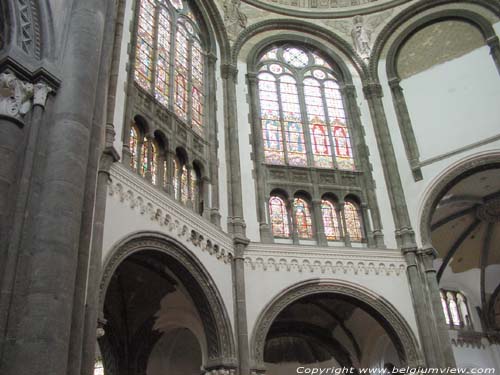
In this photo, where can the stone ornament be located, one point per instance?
(361, 37)
(234, 18)
(15, 96)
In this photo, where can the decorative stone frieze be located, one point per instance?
(178, 222)
(221, 371)
(326, 261)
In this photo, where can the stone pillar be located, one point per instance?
(318, 218)
(363, 214)
(258, 157)
(47, 292)
(338, 210)
(293, 224)
(347, 237)
(445, 351)
(15, 186)
(406, 128)
(212, 208)
(236, 224)
(204, 197)
(494, 45)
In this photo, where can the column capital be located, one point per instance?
(252, 77)
(493, 42)
(228, 71)
(373, 90)
(348, 90)
(15, 97)
(41, 90)
(395, 83)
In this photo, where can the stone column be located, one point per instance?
(445, 351)
(236, 224)
(169, 187)
(189, 201)
(46, 295)
(293, 224)
(406, 128)
(363, 214)
(204, 197)
(258, 157)
(494, 45)
(318, 218)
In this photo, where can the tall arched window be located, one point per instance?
(279, 217)
(301, 110)
(302, 216)
(353, 221)
(455, 309)
(170, 58)
(184, 184)
(195, 190)
(330, 220)
(133, 146)
(175, 179)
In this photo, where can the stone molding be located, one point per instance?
(467, 339)
(325, 260)
(407, 346)
(179, 222)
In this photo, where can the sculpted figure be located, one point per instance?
(361, 37)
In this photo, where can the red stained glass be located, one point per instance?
(162, 82)
(144, 157)
(302, 216)
(330, 220)
(181, 73)
(144, 47)
(353, 221)
(279, 217)
(271, 126)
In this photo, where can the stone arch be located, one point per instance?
(195, 278)
(384, 312)
(300, 26)
(444, 181)
(413, 11)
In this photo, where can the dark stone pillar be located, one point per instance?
(318, 221)
(40, 330)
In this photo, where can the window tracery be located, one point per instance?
(170, 58)
(330, 220)
(353, 221)
(278, 213)
(455, 309)
(299, 94)
(302, 216)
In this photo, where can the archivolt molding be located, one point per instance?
(407, 345)
(407, 14)
(300, 26)
(178, 222)
(444, 183)
(196, 279)
(325, 261)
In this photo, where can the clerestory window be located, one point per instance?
(456, 312)
(170, 58)
(302, 113)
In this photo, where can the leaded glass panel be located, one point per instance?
(184, 185)
(175, 179)
(330, 220)
(353, 221)
(279, 217)
(302, 216)
(144, 47)
(162, 84)
(133, 145)
(154, 163)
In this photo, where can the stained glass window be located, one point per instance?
(353, 221)
(154, 163)
(184, 184)
(165, 172)
(133, 145)
(298, 96)
(279, 217)
(330, 220)
(175, 179)
(302, 216)
(174, 71)
(194, 188)
(455, 309)
(144, 157)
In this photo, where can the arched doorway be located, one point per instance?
(162, 312)
(329, 323)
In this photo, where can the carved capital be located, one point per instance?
(41, 90)
(252, 78)
(348, 91)
(394, 84)
(15, 96)
(228, 71)
(493, 42)
(373, 90)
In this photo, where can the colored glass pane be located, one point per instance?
(295, 57)
(165, 172)
(462, 307)
(162, 82)
(353, 222)
(154, 163)
(194, 187)
(144, 47)
(302, 216)
(197, 96)
(292, 122)
(444, 304)
(144, 157)
(270, 55)
(271, 126)
(330, 220)
(184, 185)
(452, 304)
(181, 72)
(279, 217)
(133, 144)
(320, 139)
(175, 179)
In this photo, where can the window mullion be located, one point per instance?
(190, 81)
(152, 89)
(305, 122)
(282, 121)
(328, 124)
